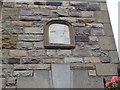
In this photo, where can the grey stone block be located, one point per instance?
(81, 50)
(30, 18)
(93, 7)
(106, 69)
(101, 16)
(107, 43)
(34, 30)
(81, 80)
(27, 73)
(63, 72)
(40, 80)
(99, 32)
(26, 12)
(81, 39)
(108, 29)
(14, 61)
(74, 13)
(114, 56)
(95, 82)
(43, 12)
(25, 45)
(36, 53)
(17, 30)
(30, 37)
(61, 12)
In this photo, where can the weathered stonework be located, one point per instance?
(25, 57)
(9, 41)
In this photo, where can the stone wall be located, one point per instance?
(23, 40)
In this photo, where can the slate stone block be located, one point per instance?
(93, 7)
(30, 18)
(81, 38)
(44, 12)
(108, 29)
(17, 30)
(40, 80)
(81, 80)
(101, 16)
(13, 60)
(80, 6)
(54, 3)
(114, 56)
(106, 69)
(107, 43)
(63, 72)
(26, 12)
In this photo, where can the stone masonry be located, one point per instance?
(24, 57)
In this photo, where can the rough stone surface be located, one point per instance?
(48, 61)
(81, 38)
(20, 67)
(48, 7)
(94, 25)
(92, 60)
(64, 52)
(73, 59)
(21, 23)
(114, 57)
(85, 20)
(38, 66)
(36, 53)
(51, 52)
(59, 12)
(25, 45)
(103, 6)
(23, 73)
(106, 69)
(36, 30)
(80, 78)
(9, 41)
(107, 43)
(30, 37)
(34, 82)
(101, 16)
(82, 66)
(74, 13)
(13, 61)
(38, 45)
(25, 12)
(92, 72)
(17, 30)
(43, 12)
(108, 29)
(93, 38)
(30, 18)
(15, 53)
(99, 32)
(11, 81)
(87, 14)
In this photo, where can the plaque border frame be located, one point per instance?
(47, 45)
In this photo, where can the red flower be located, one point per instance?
(114, 79)
(108, 83)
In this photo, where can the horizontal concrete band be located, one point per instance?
(46, 0)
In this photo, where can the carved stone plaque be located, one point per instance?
(59, 34)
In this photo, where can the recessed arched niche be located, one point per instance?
(59, 34)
